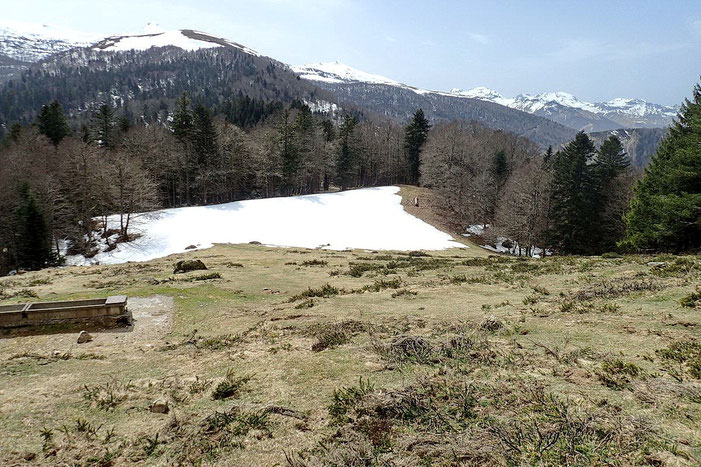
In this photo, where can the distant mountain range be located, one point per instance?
(148, 69)
(561, 107)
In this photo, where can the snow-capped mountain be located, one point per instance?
(624, 113)
(154, 36)
(27, 42)
(561, 107)
(337, 72)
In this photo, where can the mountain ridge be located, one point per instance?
(560, 106)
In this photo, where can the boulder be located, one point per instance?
(190, 247)
(84, 337)
(159, 406)
(189, 265)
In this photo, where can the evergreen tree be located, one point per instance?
(347, 160)
(33, 236)
(289, 154)
(203, 136)
(52, 123)
(500, 168)
(204, 151)
(182, 119)
(611, 159)
(574, 204)
(329, 130)
(665, 213)
(104, 127)
(415, 137)
(13, 134)
(548, 156)
(611, 163)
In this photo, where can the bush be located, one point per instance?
(691, 299)
(230, 387)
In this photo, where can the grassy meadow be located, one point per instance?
(286, 356)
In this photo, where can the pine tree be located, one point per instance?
(205, 150)
(104, 127)
(665, 213)
(52, 123)
(500, 168)
(289, 154)
(33, 236)
(548, 156)
(203, 136)
(329, 130)
(182, 119)
(611, 164)
(347, 160)
(415, 137)
(611, 159)
(574, 204)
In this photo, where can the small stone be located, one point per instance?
(159, 406)
(656, 263)
(84, 337)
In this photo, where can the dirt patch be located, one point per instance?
(431, 210)
(153, 317)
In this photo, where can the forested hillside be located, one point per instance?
(400, 103)
(144, 85)
(639, 143)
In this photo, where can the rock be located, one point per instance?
(12, 273)
(190, 247)
(656, 263)
(159, 406)
(254, 242)
(189, 265)
(84, 337)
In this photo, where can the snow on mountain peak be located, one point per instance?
(482, 93)
(152, 35)
(30, 42)
(337, 72)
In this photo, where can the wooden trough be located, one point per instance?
(98, 313)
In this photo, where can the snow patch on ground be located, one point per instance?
(369, 218)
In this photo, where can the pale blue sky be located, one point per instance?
(594, 49)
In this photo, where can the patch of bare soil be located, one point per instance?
(431, 210)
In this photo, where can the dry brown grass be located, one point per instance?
(483, 370)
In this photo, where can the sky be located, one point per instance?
(596, 50)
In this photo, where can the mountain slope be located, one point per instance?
(639, 143)
(565, 108)
(399, 101)
(154, 70)
(22, 44)
(560, 107)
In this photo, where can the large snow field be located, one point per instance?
(369, 218)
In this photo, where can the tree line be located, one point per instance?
(578, 199)
(58, 185)
(64, 183)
